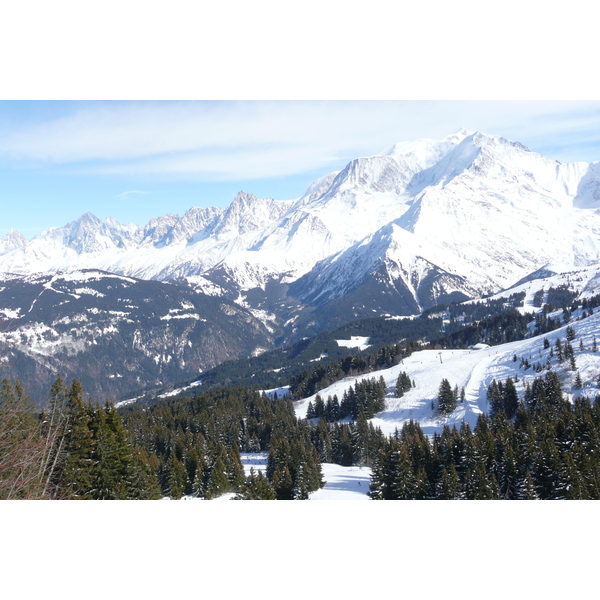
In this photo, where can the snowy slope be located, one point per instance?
(475, 206)
(341, 483)
(584, 280)
(474, 370)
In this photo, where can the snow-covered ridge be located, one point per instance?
(475, 212)
(474, 370)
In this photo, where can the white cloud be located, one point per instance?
(243, 140)
(129, 193)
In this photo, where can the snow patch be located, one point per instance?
(355, 341)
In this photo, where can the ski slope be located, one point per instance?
(474, 370)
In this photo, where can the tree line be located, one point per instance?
(70, 450)
(366, 397)
(550, 449)
(197, 444)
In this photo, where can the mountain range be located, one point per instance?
(424, 223)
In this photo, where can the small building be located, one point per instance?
(479, 347)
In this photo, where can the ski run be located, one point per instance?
(472, 369)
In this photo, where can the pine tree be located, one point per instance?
(79, 468)
(319, 406)
(526, 489)
(256, 487)
(301, 483)
(449, 485)
(404, 482)
(510, 398)
(494, 397)
(479, 485)
(446, 400)
(559, 351)
(175, 477)
(403, 384)
(218, 481)
(572, 363)
(378, 487)
(283, 483)
(143, 481)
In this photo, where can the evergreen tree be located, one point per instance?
(559, 351)
(175, 477)
(378, 487)
(283, 483)
(446, 400)
(572, 363)
(143, 480)
(404, 483)
(403, 384)
(218, 480)
(256, 487)
(79, 468)
(319, 407)
(494, 397)
(449, 484)
(510, 398)
(526, 489)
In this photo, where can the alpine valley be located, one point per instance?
(426, 223)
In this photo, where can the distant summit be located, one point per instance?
(424, 222)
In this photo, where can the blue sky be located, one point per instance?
(139, 160)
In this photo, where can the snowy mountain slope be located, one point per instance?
(117, 334)
(474, 370)
(470, 214)
(404, 260)
(13, 239)
(585, 281)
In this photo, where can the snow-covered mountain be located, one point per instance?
(425, 222)
(117, 334)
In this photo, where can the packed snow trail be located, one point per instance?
(475, 370)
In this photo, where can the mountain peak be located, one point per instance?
(484, 139)
(13, 239)
(243, 197)
(463, 133)
(87, 220)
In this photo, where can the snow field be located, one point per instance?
(342, 483)
(355, 341)
(474, 370)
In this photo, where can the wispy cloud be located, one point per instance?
(129, 193)
(244, 140)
